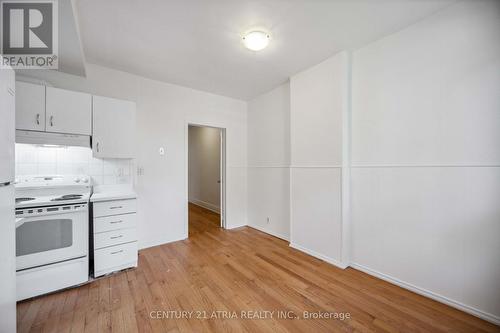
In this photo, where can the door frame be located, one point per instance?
(223, 162)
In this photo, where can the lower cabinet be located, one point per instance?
(114, 237)
(115, 258)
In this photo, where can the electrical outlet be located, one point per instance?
(268, 220)
(140, 171)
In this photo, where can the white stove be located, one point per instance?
(34, 191)
(52, 218)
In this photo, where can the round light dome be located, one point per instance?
(256, 40)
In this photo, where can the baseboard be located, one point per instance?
(442, 299)
(319, 256)
(272, 233)
(206, 205)
(231, 227)
(153, 244)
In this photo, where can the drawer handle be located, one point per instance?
(115, 237)
(115, 207)
(117, 252)
(113, 222)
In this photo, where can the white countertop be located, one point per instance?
(112, 192)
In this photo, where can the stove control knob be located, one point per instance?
(77, 180)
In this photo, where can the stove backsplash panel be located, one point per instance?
(42, 160)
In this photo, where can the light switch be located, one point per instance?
(161, 151)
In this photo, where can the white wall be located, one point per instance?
(269, 161)
(204, 167)
(318, 107)
(163, 111)
(426, 157)
(38, 160)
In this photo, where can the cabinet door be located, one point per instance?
(30, 106)
(68, 112)
(113, 131)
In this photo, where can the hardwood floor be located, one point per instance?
(202, 220)
(221, 273)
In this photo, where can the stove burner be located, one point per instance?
(18, 200)
(68, 197)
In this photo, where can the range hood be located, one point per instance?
(47, 138)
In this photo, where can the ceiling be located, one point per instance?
(197, 44)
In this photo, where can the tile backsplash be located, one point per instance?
(41, 160)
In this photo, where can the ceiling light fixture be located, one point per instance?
(256, 40)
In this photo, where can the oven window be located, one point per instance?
(43, 235)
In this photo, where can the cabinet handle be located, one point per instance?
(117, 252)
(38, 119)
(113, 222)
(97, 147)
(115, 237)
(51, 120)
(115, 207)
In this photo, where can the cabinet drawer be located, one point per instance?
(115, 237)
(116, 207)
(108, 223)
(115, 258)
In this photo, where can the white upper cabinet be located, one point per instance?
(113, 128)
(68, 111)
(30, 106)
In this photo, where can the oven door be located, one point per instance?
(51, 235)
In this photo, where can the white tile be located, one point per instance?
(47, 169)
(96, 167)
(28, 169)
(32, 159)
(65, 169)
(81, 168)
(111, 167)
(123, 180)
(97, 180)
(81, 154)
(62, 155)
(46, 155)
(27, 155)
(110, 180)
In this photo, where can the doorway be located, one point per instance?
(205, 177)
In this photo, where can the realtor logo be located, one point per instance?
(29, 34)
